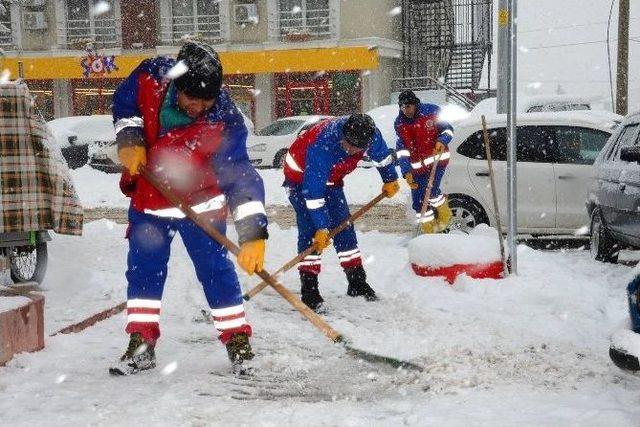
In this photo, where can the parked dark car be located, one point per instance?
(613, 202)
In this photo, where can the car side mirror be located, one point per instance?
(630, 154)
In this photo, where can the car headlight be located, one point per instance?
(258, 147)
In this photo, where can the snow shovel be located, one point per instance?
(309, 314)
(485, 134)
(427, 192)
(311, 249)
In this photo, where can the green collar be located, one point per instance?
(170, 115)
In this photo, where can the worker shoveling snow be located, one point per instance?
(448, 255)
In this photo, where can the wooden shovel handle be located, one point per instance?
(311, 249)
(208, 228)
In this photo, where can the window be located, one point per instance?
(558, 106)
(578, 145)
(534, 145)
(42, 93)
(93, 96)
(6, 38)
(198, 18)
(91, 20)
(627, 137)
(300, 17)
(473, 147)
(281, 127)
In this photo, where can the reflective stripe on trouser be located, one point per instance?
(149, 248)
(422, 180)
(427, 217)
(345, 243)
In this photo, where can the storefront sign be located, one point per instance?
(96, 64)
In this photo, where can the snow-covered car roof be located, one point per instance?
(548, 102)
(87, 129)
(601, 119)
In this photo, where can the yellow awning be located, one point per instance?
(235, 62)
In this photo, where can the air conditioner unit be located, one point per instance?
(246, 13)
(35, 21)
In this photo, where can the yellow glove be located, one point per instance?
(321, 239)
(132, 157)
(390, 188)
(439, 148)
(410, 182)
(251, 256)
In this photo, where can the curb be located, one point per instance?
(21, 328)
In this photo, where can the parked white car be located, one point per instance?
(80, 136)
(269, 146)
(555, 153)
(105, 156)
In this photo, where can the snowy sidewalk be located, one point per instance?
(530, 350)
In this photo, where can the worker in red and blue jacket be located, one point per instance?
(173, 117)
(315, 166)
(422, 137)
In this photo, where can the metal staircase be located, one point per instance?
(446, 42)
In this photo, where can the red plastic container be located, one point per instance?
(491, 270)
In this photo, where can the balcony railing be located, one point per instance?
(102, 32)
(6, 36)
(305, 25)
(200, 27)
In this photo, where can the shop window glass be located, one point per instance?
(42, 93)
(299, 94)
(242, 90)
(93, 96)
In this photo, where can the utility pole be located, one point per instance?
(622, 78)
(504, 42)
(512, 125)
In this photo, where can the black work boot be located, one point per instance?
(239, 351)
(239, 348)
(358, 285)
(140, 356)
(309, 291)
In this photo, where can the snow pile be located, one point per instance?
(481, 246)
(626, 341)
(97, 189)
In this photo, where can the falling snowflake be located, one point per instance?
(170, 368)
(101, 8)
(582, 231)
(177, 70)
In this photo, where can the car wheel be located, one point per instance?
(466, 213)
(603, 247)
(278, 160)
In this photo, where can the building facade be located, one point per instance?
(280, 57)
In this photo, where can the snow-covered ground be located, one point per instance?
(528, 350)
